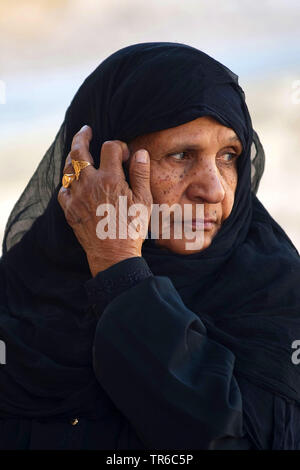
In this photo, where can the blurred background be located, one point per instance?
(48, 47)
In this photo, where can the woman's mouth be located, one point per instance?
(205, 224)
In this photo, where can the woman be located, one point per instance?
(133, 343)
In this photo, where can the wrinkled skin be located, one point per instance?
(194, 163)
(205, 174)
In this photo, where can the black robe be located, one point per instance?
(163, 383)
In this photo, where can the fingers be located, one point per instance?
(80, 145)
(63, 197)
(139, 173)
(68, 168)
(113, 154)
(80, 149)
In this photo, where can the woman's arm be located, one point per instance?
(154, 359)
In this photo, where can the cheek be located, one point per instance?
(230, 184)
(165, 184)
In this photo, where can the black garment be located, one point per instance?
(205, 338)
(159, 381)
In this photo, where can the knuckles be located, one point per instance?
(108, 180)
(141, 174)
(113, 145)
(75, 153)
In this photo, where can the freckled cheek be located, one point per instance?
(164, 186)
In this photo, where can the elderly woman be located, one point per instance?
(132, 342)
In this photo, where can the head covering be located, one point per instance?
(244, 286)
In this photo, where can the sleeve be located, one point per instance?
(153, 357)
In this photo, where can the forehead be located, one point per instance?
(193, 132)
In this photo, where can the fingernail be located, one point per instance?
(84, 127)
(141, 156)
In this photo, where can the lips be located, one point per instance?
(206, 219)
(196, 224)
(202, 224)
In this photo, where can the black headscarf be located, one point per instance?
(244, 286)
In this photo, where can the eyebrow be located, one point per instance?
(187, 145)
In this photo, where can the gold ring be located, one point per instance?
(67, 179)
(78, 165)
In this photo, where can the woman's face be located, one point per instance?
(194, 163)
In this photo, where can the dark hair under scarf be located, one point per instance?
(244, 286)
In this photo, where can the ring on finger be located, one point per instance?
(67, 179)
(79, 165)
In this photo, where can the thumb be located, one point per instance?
(139, 174)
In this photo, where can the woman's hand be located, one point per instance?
(85, 198)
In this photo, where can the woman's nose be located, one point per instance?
(205, 185)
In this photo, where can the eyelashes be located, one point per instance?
(185, 155)
(234, 156)
(181, 154)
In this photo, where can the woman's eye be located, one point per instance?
(229, 156)
(179, 156)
